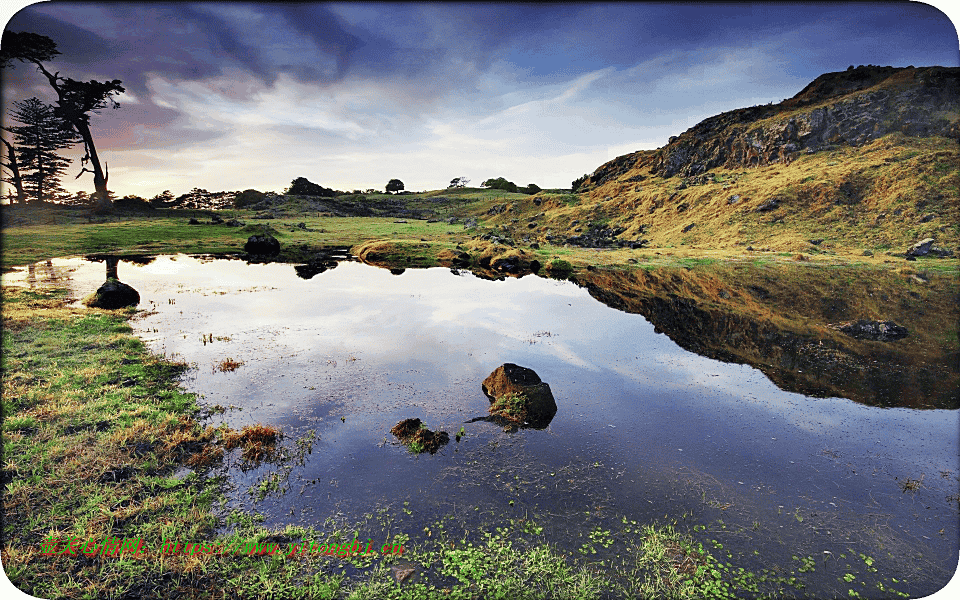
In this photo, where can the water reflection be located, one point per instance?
(784, 327)
(678, 392)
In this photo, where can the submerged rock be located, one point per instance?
(880, 331)
(517, 395)
(113, 294)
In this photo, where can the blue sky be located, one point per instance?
(230, 96)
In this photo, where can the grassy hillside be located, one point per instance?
(881, 197)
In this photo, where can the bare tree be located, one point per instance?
(75, 99)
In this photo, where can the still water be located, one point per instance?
(644, 429)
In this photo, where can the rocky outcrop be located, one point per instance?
(518, 396)
(851, 107)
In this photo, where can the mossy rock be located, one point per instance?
(518, 396)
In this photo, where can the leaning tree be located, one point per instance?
(75, 99)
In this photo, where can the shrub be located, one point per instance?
(578, 182)
(132, 202)
(248, 198)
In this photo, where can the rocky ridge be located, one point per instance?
(846, 108)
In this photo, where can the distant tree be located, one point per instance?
(247, 198)
(301, 186)
(394, 185)
(532, 188)
(38, 138)
(75, 99)
(458, 182)
(369, 191)
(162, 199)
(78, 199)
(132, 202)
(500, 184)
(578, 182)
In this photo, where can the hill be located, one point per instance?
(861, 160)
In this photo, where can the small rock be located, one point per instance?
(921, 248)
(412, 431)
(688, 227)
(769, 205)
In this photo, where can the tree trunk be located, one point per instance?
(17, 182)
(103, 203)
(39, 173)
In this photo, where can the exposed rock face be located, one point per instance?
(881, 331)
(113, 294)
(266, 245)
(910, 101)
(517, 395)
(851, 107)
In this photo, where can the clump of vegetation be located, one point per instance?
(558, 265)
(258, 441)
(301, 186)
(228, 364)
(910, 485)
(513, 407)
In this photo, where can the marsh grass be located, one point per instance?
(227, 365)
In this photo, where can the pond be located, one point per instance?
(753, 448)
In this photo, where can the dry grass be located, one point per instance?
(872, 197)
(258, 441)
(227, 365)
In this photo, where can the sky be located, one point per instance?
(232, 96)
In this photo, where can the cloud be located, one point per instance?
(355, 93)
